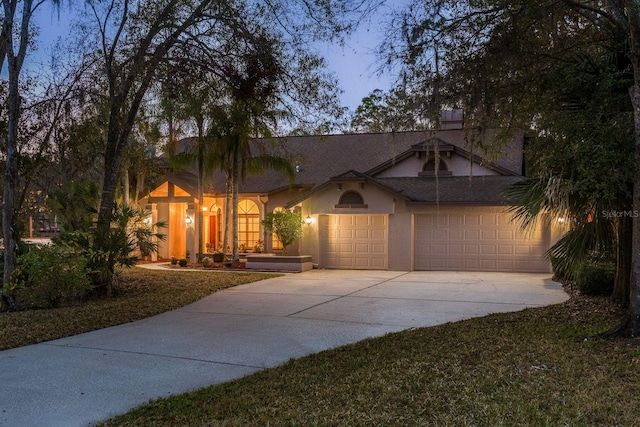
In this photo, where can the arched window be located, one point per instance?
(248, 223)
(429, 168)
(351, 199)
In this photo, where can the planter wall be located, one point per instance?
(273, 262)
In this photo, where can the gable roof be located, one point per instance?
(319, 158)
(414, 191)
(448, 190)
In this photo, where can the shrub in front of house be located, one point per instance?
(595, 279)
(49, 276)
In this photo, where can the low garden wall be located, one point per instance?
(297, 263)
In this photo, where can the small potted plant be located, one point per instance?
(207, 262)
(259, 247)
(218, 256)
(174, 260)
(182, 262)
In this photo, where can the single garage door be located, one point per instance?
(477, 239)
(353, 241)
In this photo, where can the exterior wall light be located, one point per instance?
(561, 220)
(308, 220)
(189, 220)
(146, 221)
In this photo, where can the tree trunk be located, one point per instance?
(200, 186)
(630, 324)
(234, 209)
(10, 179)
(621, 289)
(126, 198)
(227, 213)
(14, 66)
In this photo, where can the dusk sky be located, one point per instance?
(353, 63)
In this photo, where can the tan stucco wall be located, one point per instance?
(400, 239)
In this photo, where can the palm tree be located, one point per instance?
(234, 153)
(591, 231)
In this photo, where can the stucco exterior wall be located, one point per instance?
(400, 238)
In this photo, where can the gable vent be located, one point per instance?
(351, 199)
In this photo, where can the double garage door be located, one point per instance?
(448, 239)
(477, 239)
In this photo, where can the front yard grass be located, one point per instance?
(139, 293)
(535, 367)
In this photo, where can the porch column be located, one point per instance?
(153, 210)
(191, 231)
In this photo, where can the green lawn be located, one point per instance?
(534, 367)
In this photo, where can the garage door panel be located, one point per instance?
(471, 249)
(345, 247)
(456, 234)
(455, 249)
(488, 265)
(455, 220)
(506, 234)
(378, 235)
(345, 233)
(505, 250)
(379, 263)
(438, 249)
(378, 249)
(488, 234)
(362, 248)
(353, 241)
(488, 250)
(481, 239)
(362, 234)
(471, 234)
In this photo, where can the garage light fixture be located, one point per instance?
(189, 220)
(308, 220)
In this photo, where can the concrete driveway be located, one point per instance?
(83, 379)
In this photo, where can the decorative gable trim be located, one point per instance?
(444, 147)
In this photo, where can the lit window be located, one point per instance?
(179, 192)
(161, 191)
(248, 223)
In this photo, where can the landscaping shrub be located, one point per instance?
(49, 276)
(596, 279)
(560, 270)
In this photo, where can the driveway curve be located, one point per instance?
(87, 378)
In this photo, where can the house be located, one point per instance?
(370, 201)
